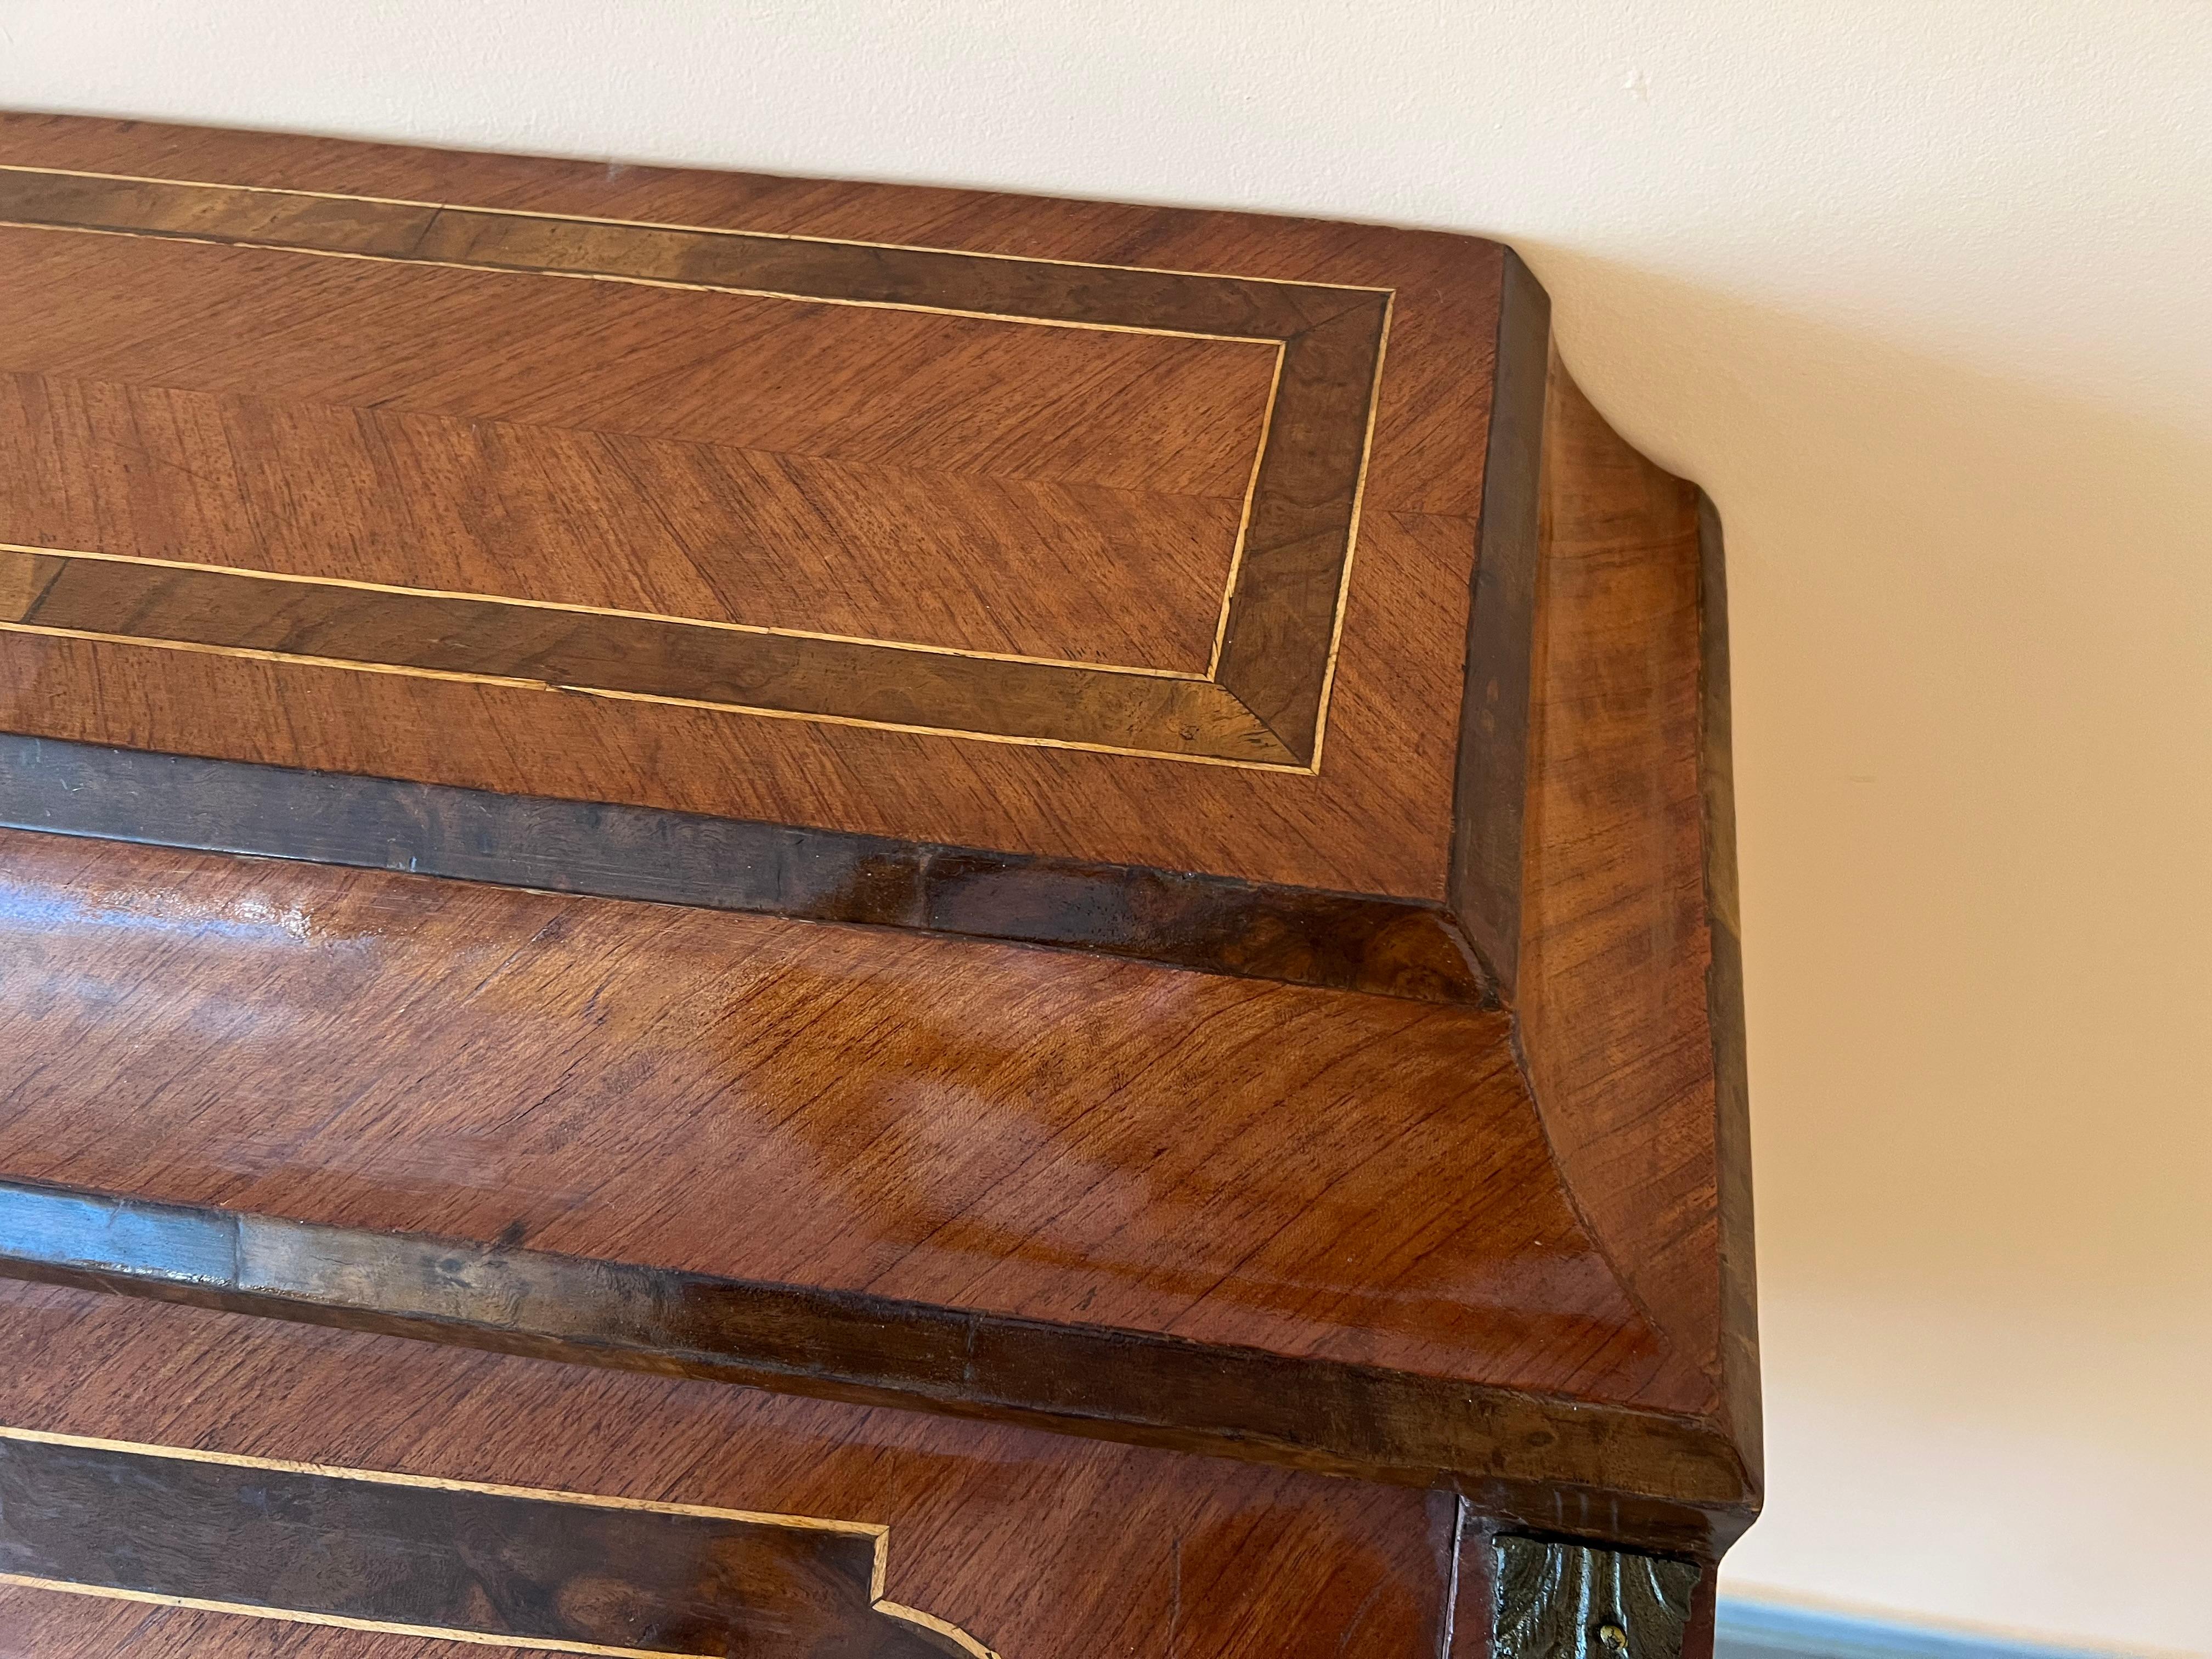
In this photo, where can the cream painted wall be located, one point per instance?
(1922, 291)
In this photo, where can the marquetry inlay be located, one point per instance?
(1261, 700)
(503, 1566)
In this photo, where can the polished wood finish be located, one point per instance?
(1615, 1003)
(621, 446)
(1260, 699)
(652, 658)
(1738, 1307)
(1387, 647)
(350, 1547)
(1527, 1458)
(1489, 796)
(1347, 941)
(894, 1113)
(1030, 1543)
(680, 643)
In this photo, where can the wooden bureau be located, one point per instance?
(752, 916)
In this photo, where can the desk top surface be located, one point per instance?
(1107, 533)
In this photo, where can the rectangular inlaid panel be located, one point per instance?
(829, 436)
(854, 470)
(1120, 536)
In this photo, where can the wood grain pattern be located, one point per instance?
(1033, 1544)
(1345, 941)
(951, 1122)
(1098, 296)
(831, 469)
(1275, 652)
(1495, 758)
(1616, 1011)
(652, 658)
(1664, 1479)
(1376, 821)
(1488, 1229)
(1741, 1410)
(497, 1565)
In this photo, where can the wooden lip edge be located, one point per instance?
(1610, 1472)
(1739, 1299)
(1490, 785)
(665, 169)
(1361, 943)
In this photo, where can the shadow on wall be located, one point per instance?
(1971, 625)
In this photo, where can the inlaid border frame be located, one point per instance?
(177, 1566)
(1263, 702)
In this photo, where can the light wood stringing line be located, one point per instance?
(876, 1531)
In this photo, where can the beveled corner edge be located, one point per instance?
(1489, 790)
(1724, 1005)
(1496, 767)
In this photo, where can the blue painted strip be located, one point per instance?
(93, 1232)
(1759, 1630)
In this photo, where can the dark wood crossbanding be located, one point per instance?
(1087, 294)
(1348, 941)
(558, 1571)
(1013, 516)
(1035, 1543)
(1675, 1481)
(656, 659)
(1262, 701)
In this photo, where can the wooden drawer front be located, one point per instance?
(457, 1498)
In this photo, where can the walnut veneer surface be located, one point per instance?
(913, 1117)
(481, 471)
(1030, 1543)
